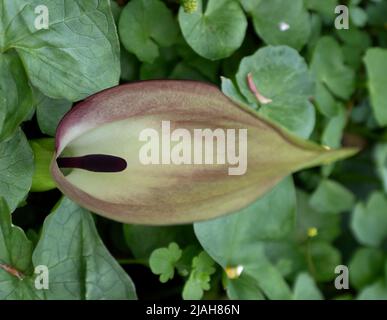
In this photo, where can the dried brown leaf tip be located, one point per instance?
(261, 99)
(12, 271)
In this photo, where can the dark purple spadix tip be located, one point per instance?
(94, 162)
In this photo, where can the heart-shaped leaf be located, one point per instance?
(69, 48)
(330, 69)
(214, 30)
(282, 22)
(76, 263)
(16, 169)
(369, 221)
(138, 32)
(376, 63)
(280, 75)
(16, 100)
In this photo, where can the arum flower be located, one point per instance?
(169, 152)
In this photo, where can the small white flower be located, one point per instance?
(234, 272)
(283, 26)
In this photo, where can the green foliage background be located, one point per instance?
(325, 84)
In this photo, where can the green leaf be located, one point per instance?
(269, 279)
(292, 117)
(325, 101)
(230, 65)
(231, 91)
(365, 267)
(357, 2)
(43, 150)
(329, 68)
(182, 71)
(355, 38)
(323, 259)
(249, 5)
(207, 68)
(376, 13)
(244, 288)
(2, 108)
(142, 240)
(161, 66)
(79, 265)
(199, 279)
(232, 240)
(163, 261)
(325, 8)
(287, 255)
(15, 252)
(380, 156)
(325, 198)
(16, 169)
(333, 131)
(369, 221)
(16, 100)
(238, 240)
(49, 112)
(328, 228)
(76, 56)
(282, 22)
(116, 10)
(355, 44)
(375, 291)
(184, 265)
(358, 16)
(281, 75)
(315, 33)
(305, 288)
(376, 64)
(140, 34)
(216, 29)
